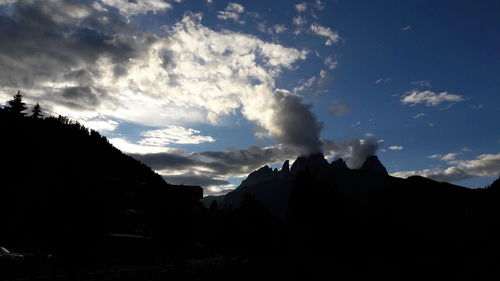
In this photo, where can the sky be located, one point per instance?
(207, 91)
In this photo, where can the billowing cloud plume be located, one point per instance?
(355, 151)
(430, 98)
(485, 165)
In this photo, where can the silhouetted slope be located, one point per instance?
(64, 188)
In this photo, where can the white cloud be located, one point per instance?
(422, 83)
(324, 31)
(446, 157)
(299, 20)
(233, 12)
(279, 28)
(173, 134)
(301, 7)
(449, 156)
(130, 8)
(129, 147)
(319, 5)
(406, 28)
(418, 115)
(100, 125)
(430, 98)
(485, 165)
(305, 85)
(395, 147)
(331, 63)
(197, 74)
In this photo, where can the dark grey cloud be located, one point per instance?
(161, 161)
(61, 42)
(298, 125)
(193, 179)
(231, 162)
(206, 168)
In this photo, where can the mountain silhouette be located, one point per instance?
(273, 187)
(363, 223)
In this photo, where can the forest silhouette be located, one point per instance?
(75, 204)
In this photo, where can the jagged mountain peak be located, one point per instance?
(312, 162)
(339, 164)
(285, 169)
(373, 164)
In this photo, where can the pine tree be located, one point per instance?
(37, 111)
(17, 106)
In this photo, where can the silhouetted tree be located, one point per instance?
(214, 207)
(17, 105)
(37, 111)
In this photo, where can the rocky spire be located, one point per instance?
(313, 162)
(285, 169)
(373, 165)
(339, 164)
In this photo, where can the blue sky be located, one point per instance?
(182, 85)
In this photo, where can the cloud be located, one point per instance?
(324, 79)
(331, 63)
(231, 162)
(339, 110)
(6, 2)
(319, 5)
(430, 98)
(406, 28)
(194, 179)
(233, 12)
(305, 85)
(354, 151)
(422, 83)
(301, 7)
(105, 67)
(383, 80)
(299, 20)
(129, 8)
(418, 115)
(314, 85)
(215, 167)
(447, 157)
(275, 29)
(279, 28)
(332, 35)
(485, 165)
(173, 134)
(395, 147)
(133, 148)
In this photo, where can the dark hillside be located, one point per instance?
(65, 189)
